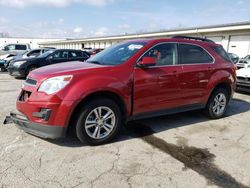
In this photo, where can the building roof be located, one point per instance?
(170, 32)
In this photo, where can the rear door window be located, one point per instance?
(74, 54)
(192, 54)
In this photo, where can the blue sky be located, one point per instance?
(91, 18)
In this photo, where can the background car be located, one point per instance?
(234, 57)
(92, 51)
(27, 54)
(243, 62)
(243, 79)
(21, 67)
(3, 59)
(14, 49)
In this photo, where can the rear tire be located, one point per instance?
(217, 104)
(99, 122)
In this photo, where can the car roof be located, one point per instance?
(180, 40)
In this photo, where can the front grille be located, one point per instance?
(243, 78)
(245, 62)
(30, 81)
(24, 96)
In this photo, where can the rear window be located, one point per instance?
(221, 52)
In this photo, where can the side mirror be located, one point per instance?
(147, 62)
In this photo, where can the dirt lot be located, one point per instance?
(183, 150)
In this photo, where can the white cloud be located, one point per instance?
(60, 21)
(124, 26)
(78, 30)
(101, 31)
(55, 3)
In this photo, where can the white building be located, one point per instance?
(235, 38)
(33, 42)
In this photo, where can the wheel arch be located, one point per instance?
(99, 94)
(224, 85)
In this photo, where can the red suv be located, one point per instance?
(131, 80)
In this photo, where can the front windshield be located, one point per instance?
(46, 54)
(117, 54)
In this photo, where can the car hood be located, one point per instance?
(4, 56)
(245, 72)
(19, 58)
(63, 69)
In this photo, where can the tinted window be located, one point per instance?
(21, 47)
(164, 53)
(247, 57)
(46, 54)
(75, 54)
(221, 52)
(85, 55)
(65, 54)
(191, 54)
(56, 55)
(9, 47)
(34, 53)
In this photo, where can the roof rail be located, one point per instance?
(192, 38)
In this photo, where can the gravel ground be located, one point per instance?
(182, 150)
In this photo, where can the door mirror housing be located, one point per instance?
(147, 62)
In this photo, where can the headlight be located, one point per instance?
(19, 63)
(55, 84)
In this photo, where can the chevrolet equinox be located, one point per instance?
(131, 80)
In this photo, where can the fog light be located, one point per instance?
(43, 114)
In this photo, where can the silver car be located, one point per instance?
(14, 49)
(244, 62)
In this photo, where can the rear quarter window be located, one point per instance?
(222, 53)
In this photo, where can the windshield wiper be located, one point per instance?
(94, 62)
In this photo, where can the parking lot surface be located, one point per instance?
(182, 150)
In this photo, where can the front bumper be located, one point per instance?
(17, 72)
(40, 130)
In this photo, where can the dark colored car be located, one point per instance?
(22, 67)
(27, 54)
(92, 51)
(234, 57)
(131, 80)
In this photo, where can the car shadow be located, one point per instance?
(146, 127)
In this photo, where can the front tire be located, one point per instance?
(99, 122)
(217, 104)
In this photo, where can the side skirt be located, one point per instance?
(166, 112)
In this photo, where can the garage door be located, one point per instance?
(240, 45)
